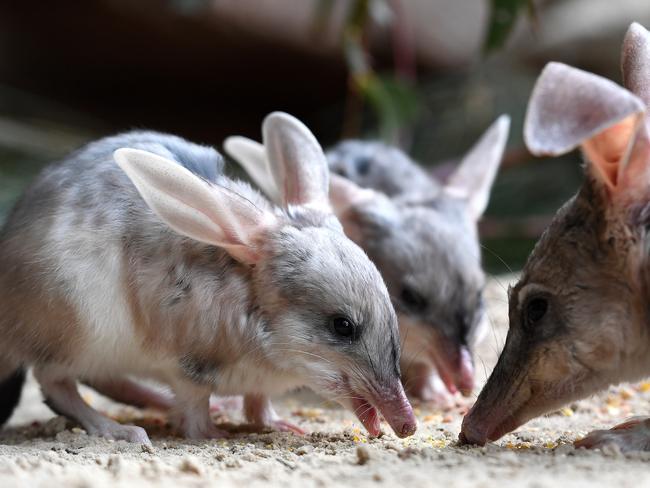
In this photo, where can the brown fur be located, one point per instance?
(579, 316)
(37, 322)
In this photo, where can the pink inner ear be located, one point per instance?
(343, 192)
(606, 150)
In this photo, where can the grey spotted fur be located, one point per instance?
(94, 285)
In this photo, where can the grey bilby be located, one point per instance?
(579, 313)
(422, 236)
(137, 257)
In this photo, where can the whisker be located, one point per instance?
(497, 256)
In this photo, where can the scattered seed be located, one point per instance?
(432, 419)
(567, 412)
(306, 449)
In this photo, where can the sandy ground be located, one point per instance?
(39, 449)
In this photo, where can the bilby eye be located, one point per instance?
(363, 165)
(343, 327)
(535, 310)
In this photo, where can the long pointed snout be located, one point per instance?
(501, 407)
(455, 366)
(393, 405)
(486, 423)
(396, 409)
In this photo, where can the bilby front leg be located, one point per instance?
(259, 411)
(631, 435)
(62, 396)
(191, 412)
(423, 383)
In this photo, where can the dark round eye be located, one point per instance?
(536, 309)
(413, 300)
(363, 165)
(343, 326)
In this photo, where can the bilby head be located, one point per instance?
(327, 316)
(578, 315)
(381, 167)
(424, 242)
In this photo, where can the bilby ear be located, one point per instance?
(362, 212)
(252, 157)
(195, 208)
(345, 194)
(635, 61)
(570, 107)
(477, 171)
(296, 161)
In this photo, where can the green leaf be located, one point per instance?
(502, 20)
(394, 101)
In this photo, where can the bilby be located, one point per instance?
(422, 235)
(137, 257)
(579, 313)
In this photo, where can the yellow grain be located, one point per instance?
(567, 412)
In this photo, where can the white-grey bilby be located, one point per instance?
(422, 235)
(135, 257)
(579, 313)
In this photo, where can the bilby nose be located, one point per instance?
(471, 431)
(408, 429)
(465, 372)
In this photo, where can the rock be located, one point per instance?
(148, 448)
(363, 455)
(612, 450)
(306, 449)
(191, 466)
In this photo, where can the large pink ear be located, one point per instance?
(354, 205)
(473, 179)
(570, 108)
(296, 161)
(252, 157)
(345, 194)
(635, 62)
(195, 208)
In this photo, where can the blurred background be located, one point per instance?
(427, 75)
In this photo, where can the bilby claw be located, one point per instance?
(259, 411)
(129, 433)
(285, 426)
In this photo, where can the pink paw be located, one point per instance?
(129, 433)
(431, 389)
(285, 426)
(631, 435)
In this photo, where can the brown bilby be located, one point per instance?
(579, 315)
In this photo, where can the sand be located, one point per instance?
(39, 449)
